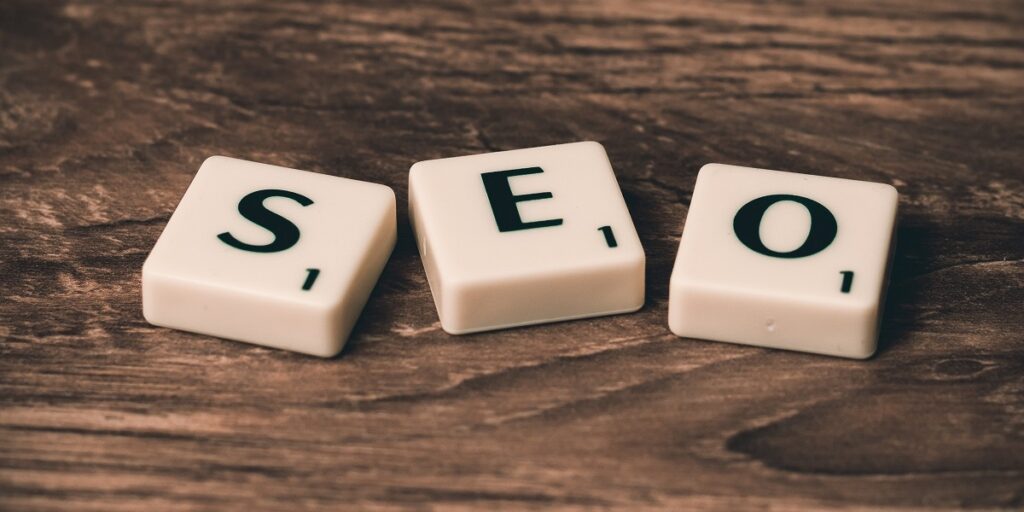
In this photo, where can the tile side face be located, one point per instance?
(270, 255)
(783, 260)
(521, 237)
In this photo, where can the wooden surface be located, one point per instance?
(107, 109)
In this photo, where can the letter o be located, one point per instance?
(747, 225)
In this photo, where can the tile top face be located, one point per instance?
(806, 237)
(551, 209)
(315, 221)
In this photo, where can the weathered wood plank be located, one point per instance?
(107, 109)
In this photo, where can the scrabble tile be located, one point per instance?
(783, 260)
(270, 255)
(525, 237)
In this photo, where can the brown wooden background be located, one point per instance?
(107, 108)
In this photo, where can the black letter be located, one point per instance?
(747, 225)
(251, 207)
(503, 202)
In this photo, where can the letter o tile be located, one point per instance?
(784, 260)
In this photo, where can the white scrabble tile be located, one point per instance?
(783, 260)
(270, 255)
(525, 237)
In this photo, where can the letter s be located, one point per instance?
(251, 207)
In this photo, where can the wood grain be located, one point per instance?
(107, 108)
